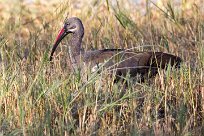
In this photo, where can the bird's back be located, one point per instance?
(123, 62)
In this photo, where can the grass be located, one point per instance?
(42, 98)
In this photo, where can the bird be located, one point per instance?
(118, 61)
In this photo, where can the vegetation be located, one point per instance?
(38, 97)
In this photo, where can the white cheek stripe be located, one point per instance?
(72, 30)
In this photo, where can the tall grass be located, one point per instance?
(42, 98)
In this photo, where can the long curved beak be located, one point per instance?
(60, 36)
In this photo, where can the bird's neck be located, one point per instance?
(75, 51)
(75, 45)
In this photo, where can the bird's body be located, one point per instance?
(120, 61)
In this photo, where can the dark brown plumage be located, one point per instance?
(119, 60)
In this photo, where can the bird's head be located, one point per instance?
(71, 25)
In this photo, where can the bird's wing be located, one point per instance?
(134, 62)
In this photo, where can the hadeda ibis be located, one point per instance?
(119, 60)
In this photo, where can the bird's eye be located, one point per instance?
(68, 24)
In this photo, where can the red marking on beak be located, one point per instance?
(60, 34)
